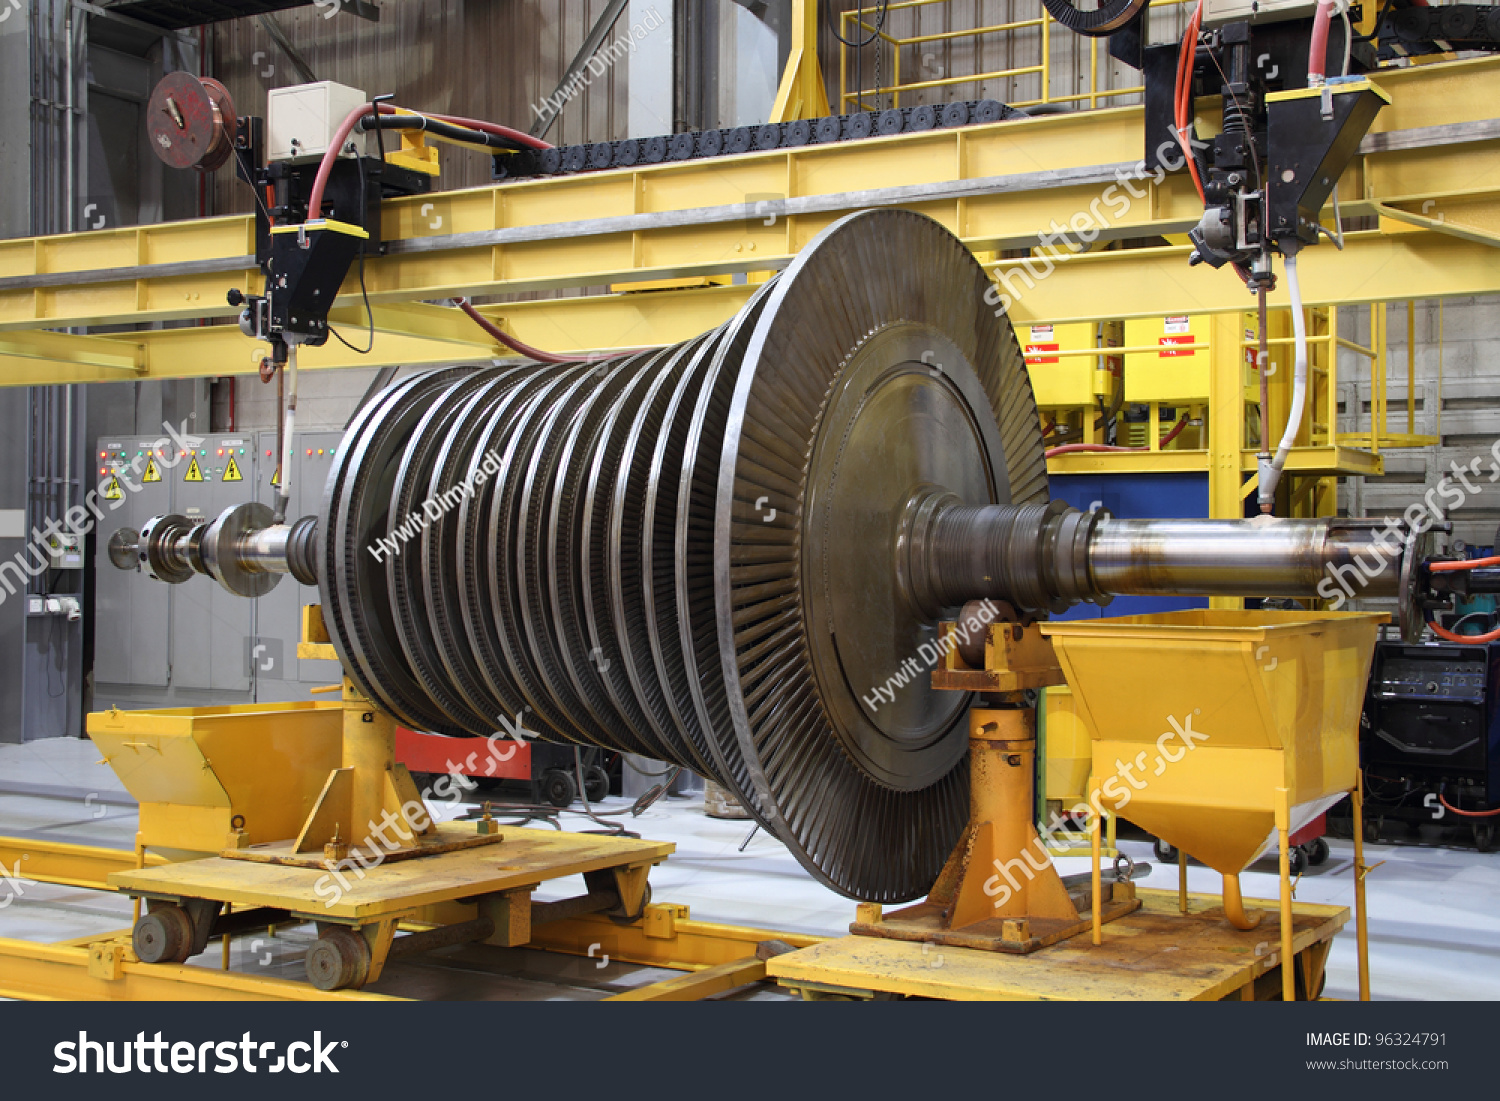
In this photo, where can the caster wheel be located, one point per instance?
(596, 784)
(163, 936)
(1165, 852)
(339, 960)
(1317, 854)
(1484, 837)
(558, 788)
(1372, 830)
(1298, 860)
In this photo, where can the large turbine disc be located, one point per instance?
(876, 370)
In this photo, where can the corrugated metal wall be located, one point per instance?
(491, 59)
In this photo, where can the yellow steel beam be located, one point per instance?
(1135, 283)
(67, 864)
(698, 984)
(1444, 221)
(108, 972)
(1373, 267)
(213, 350)
(67, 353)
(997, 186)
(666, 937)
(1302, 460)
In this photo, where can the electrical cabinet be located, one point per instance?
(132, 481)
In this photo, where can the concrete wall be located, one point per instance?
(325, 399)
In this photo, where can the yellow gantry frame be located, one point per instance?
(1434, 157)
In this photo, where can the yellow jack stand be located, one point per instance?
(1000, 890)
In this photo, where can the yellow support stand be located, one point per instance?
(802, 94)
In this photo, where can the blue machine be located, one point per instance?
(1136, 497)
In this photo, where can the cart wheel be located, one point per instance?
(596, 784)
(163, 936)
(1484, 836)
(1317, 854)
(1298, 860)
(558, 788)
(340, 959)
(1165, 852)
(1372, 829)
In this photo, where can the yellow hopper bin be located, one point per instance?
(1205, 722)
(211, 778)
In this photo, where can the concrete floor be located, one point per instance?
(1434, 912)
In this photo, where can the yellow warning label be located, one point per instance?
(113, 492)
(232, 472)
(152, 473)
(193, 473)
(276, 478)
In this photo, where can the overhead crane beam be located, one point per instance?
(1434, 152)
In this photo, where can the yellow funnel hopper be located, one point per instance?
(208, 778)
(1205, 722)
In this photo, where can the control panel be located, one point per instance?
(1459, 678)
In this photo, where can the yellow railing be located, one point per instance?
(1378, 435)
(855, 24)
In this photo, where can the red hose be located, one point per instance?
(520, 137)
(1464, 564)
(1076, 448)
(1183, 93)
(341, 135)
(521, 347)
(1317, 48)
(1468, 813)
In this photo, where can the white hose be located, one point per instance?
(284, 491)
(1299, 383)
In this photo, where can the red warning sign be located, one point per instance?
(1172, 339)
(1033, 358)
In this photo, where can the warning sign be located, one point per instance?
(152, 473)
(193, 473)
(276, 478)
(1168, 341)
(1033, 349)
(113, 492)
(232, 471)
